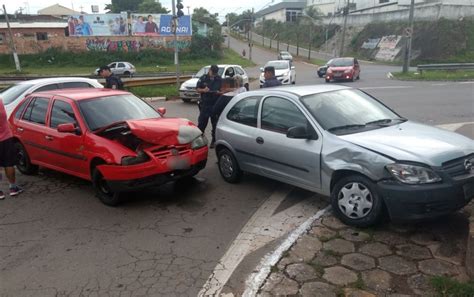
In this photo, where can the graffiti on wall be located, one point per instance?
(370, 43)
(106, 45)
(168, 44)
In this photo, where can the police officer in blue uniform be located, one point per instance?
(209, 86)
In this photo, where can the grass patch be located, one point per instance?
(79, 67)
(436, 75)
(359, 284)
(318, 62)
(447, 287)
(155, 91)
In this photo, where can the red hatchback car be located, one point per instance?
(109, 137)
(343, 69)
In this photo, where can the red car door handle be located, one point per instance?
(48, 137)
(19, 129)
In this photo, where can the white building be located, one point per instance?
(285, 11)
(331, 7)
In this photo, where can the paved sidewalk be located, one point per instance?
(333, 259)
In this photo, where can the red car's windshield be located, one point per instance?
(104, 111)
(344, 62)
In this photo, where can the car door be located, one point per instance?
(113, 68)
(295, 161)
(120, 68)
(67, 148)
(31, 129)
(239, 131)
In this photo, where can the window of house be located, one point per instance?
(41, 36)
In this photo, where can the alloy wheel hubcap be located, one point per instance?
(226, 165)
(355, 200)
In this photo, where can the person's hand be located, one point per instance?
(205, 90)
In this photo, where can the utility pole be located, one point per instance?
(251, 38)
(345, 13)
(228, 31)
(310, 41)
(409, 33)
(12, 42)
(176, 54)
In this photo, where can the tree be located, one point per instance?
(203, 15)
(151, 6)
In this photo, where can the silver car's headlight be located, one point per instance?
(413, 174)
(199, 142)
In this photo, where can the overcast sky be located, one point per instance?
(219, 6)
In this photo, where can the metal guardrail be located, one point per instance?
(452, 66)
(155, 81)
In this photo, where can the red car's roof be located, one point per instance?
(81, 94)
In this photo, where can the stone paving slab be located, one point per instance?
(389, 260)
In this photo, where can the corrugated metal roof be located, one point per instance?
(14, 25)
(300, 4)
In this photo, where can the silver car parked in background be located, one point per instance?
(343, 143)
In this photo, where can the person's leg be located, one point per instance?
(203, 118)
(214, 120)
(11, 158)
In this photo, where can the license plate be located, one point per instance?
(191, 94)
(337, 74)
(468, 191)
(178, 163)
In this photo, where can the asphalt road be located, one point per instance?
(59, 240)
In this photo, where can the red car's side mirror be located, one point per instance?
(161, 110)
(67, 128)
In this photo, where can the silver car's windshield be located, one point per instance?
(278, 65)
(11, 93)
(345, 110)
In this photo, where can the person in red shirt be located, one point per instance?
(8, 156)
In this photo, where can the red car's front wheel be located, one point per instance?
(103, 191)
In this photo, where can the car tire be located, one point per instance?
(358, 76)
(24, 163)
(347, 196)
(247, 87)
(103, 191)
(228, 166)
(186, 100)
(327, 80)
(294, 82)
(127, 73)
(320, 75)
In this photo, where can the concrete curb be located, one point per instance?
(470, 245)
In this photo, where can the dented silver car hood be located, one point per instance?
(411, 141)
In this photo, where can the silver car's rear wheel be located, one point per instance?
(355, 201)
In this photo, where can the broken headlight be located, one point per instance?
(413, 174)
(141, 157)
(199, 142)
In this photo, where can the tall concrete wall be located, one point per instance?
(431, 12)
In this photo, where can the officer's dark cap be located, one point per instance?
(214, 69)
(270, 69)
(102, 68)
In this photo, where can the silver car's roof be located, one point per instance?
(299, 91)
(56, 80)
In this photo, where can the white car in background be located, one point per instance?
(13, 95)
(187, 90)
(120, 68)
(284, 71)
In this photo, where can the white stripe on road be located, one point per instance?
(256, 279)
(263, 227)
(466, 82)
(453, 126)
(386, 87)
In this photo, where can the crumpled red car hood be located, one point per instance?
(164, 131)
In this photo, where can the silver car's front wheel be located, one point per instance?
(228, 166)
(355, 201)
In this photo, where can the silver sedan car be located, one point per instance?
(343, 143)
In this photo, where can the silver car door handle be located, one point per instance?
(48, 137)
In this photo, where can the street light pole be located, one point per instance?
(409, 33)
(228, 31)
(250, 35)
(345, 12)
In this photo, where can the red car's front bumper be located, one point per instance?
(343, 76)
(154, 172)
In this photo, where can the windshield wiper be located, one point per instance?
(344, 127)
(385, 121)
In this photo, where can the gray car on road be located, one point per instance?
(343, 143)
